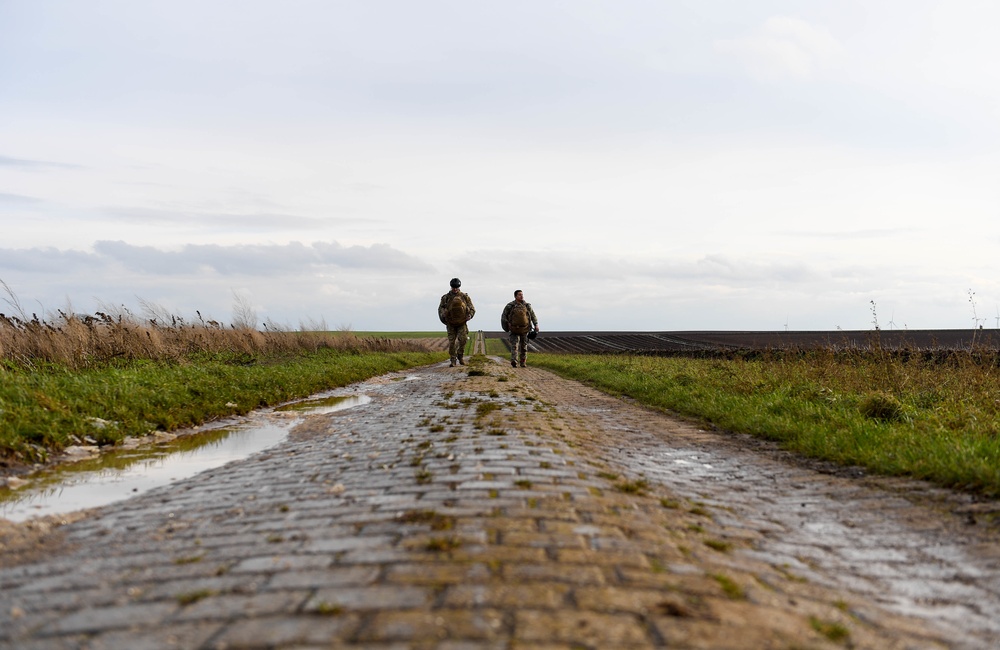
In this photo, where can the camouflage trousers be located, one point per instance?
(458, 335)
(518, 346)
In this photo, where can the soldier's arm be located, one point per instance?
(472, 308)
(534, 319)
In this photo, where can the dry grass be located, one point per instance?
(78, 341)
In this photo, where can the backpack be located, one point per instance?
(518, 318)
(456, 313)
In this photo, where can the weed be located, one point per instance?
(191, 597)
(524, 484)
(882, 407)
(329, 609)
(423, 476)
(485, 408)
(729, 587)
(189, 559)
(638, 486)
(718, 545)
(443, 544)
(434, 519)
(832, 630)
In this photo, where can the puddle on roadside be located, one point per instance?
(321, 405)
(118, 475)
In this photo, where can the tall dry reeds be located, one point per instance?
(79, 341)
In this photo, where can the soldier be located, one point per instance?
(518, 318)
(455, 311)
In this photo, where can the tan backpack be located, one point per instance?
(457, 311)
(518, 318)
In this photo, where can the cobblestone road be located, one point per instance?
(491, 507)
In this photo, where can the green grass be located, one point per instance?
(932, 418)
(49, 407)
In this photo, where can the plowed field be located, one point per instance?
(709, 341)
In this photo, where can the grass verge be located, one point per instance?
(932, 419)
(48, 406)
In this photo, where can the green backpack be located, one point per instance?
(457, 311)
(518, 319)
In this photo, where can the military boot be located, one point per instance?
(461, 361)
(453, 362)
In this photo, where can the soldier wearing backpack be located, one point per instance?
(455, 311)
(517, 319)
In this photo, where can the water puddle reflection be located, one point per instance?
(118, 475)
(322, 405)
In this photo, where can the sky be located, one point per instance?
(631, 165)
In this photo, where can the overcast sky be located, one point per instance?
(629, 164)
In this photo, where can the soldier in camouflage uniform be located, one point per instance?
(518, 335)
(455, 318)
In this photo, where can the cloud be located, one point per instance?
(7, 161)
(17, 198)
(46, 261)
(783, 48)
(244, 221)
(257, 260)
(616, 271)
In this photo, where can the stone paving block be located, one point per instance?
(603, 559)
(226, 606)
(374, 597)
(284, 562)
(172, 589)
(321, 630)
(331, 577)
(500, 554)
(502, 595)
(544, 540)
(580, 575)
(341, 544)
(177, 635)
(436, 573)
(437, 625)
(99, 619)
(587, 629)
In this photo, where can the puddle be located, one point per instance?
(118, 475)
(322, 405)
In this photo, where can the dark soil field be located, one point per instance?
(709, 342)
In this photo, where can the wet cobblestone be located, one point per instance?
(509, 509)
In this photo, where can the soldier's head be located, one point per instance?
(518, 295)
(455, 284)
